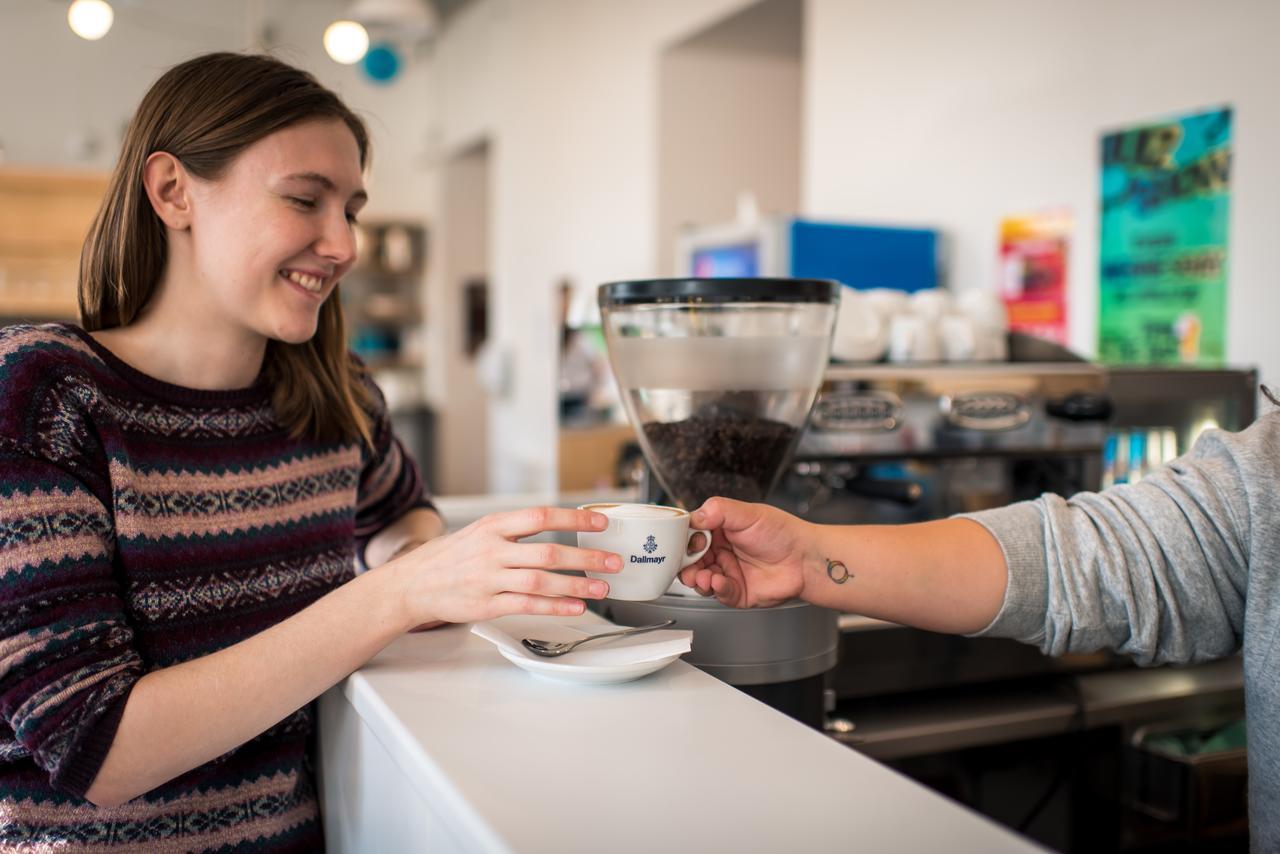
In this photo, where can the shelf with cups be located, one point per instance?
(384, 330)
(383, 304)
(925, 327)
(382, 295)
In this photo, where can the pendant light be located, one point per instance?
(90, 19)
(346, 42)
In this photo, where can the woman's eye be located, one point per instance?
(306, 204)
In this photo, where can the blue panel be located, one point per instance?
(861, 256)
(735, 261)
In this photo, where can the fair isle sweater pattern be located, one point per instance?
(141, 525)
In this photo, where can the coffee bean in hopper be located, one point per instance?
(719, 452)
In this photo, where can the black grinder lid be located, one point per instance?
(718, 291)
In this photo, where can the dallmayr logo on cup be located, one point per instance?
(649, 524)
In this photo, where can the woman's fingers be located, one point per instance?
(524, 603)
(542, 583)
(553, 556)
(535, 520)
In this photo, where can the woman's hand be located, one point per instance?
(483, 571)
(756, 556)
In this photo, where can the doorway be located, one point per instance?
(729, 122)
(462, 320)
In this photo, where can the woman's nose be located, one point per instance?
(338, 242)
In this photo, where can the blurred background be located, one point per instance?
(527, 150)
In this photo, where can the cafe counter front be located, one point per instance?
(441, 744)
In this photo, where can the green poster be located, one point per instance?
(1163, 276)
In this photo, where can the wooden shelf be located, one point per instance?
(44, 217)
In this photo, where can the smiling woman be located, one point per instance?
(188, 134)
(189, 482)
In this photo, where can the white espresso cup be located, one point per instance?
(914, 338)
(959, 336)
(653, 542)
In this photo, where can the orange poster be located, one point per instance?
(1033, 273)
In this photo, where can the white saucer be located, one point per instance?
(600, 675)
(620, 660)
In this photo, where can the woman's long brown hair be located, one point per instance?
(205, 112)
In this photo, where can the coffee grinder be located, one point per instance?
(718, 377)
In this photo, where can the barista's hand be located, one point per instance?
(482, 571)
(756, 554)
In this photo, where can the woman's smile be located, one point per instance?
(310, 283)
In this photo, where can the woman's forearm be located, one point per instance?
(188, 714)
(944, 576)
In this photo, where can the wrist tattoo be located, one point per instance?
(838, 572)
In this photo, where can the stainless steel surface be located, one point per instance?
(957, 722)
(1119, 696)
(792, 641)
(1176, 394)
(900, 443)
(897, 728)
(554, 649)
(859, 623)
(895, 411)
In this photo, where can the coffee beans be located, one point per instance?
(719, 451)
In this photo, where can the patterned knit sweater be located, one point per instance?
(143, 524)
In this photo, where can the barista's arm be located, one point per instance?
(946, 576)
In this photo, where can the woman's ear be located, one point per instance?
(169, 189)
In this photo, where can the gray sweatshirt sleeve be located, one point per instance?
(1157, 570)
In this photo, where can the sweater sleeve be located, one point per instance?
(390, 483)
(1157, 570)
(67, 657)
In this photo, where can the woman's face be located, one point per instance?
(271, 238)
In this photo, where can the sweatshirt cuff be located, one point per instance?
(1020, 531)
(80, 772)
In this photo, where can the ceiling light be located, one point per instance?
(90, 19)
(346, 42)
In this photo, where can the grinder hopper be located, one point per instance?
(718, 375)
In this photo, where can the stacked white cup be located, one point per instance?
(930, 325)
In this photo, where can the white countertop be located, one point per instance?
(441, 743)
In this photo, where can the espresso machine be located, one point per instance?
(718, 376)
(895, 443)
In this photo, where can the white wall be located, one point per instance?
(565, 90)
(66, 101)
(729, 120)
(956, 114)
